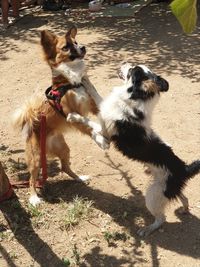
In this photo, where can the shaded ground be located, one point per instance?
(38, 237)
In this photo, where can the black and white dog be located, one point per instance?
(125, 117)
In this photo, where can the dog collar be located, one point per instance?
(56, 95)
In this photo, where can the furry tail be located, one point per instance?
(24, 118)
(176, 183)
(193, 169)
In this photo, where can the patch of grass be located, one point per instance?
(66, 262)
(76, 255)
(13, 166)
(3, 235)
(34, 211)
(80, 209)
(13, 255)
(75, 258)
(115, 236)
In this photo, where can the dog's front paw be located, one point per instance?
(34, 200)
(101, 141)
(73, 117)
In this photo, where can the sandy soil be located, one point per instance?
(37, 237)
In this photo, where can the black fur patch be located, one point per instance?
(139, 114)
(133, 141)
(137, 93)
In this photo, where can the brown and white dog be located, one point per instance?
(65, 58)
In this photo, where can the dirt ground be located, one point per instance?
(108, 236)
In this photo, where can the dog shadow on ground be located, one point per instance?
(134, 206)
(19, 220)
(20, 224)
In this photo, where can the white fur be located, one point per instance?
(34, 200)
(117, 105)
(97, 129)
(74, 117)
(84, 177)
(145, 68)
(73, 71)
(100, 140)
(91, 90)
(155, 199)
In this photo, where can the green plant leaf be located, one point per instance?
(186, 13)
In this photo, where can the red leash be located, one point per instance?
(43, 149)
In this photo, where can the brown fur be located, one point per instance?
(150, 86)
(28, 117)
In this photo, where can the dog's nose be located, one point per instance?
(83, 49)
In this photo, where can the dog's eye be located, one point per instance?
(66, 47)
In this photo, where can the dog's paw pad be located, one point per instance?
(35, 200)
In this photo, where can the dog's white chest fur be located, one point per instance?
(73, 71)
(81, 95)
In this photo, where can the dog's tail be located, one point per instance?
(192, 169)
(26, 116)
(176, 183)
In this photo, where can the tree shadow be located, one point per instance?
(96, 255)
(153, 33)
(134, 206)
(19, 222)
(5, 255)
(3, 147)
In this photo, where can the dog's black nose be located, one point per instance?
(83, 49)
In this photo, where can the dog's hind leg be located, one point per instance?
(33, 162)
(155, 202)
(57, 146)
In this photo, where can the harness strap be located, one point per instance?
(56, 95)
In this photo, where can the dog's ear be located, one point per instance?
(48, 42)
(72, 32)
(162, 84)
